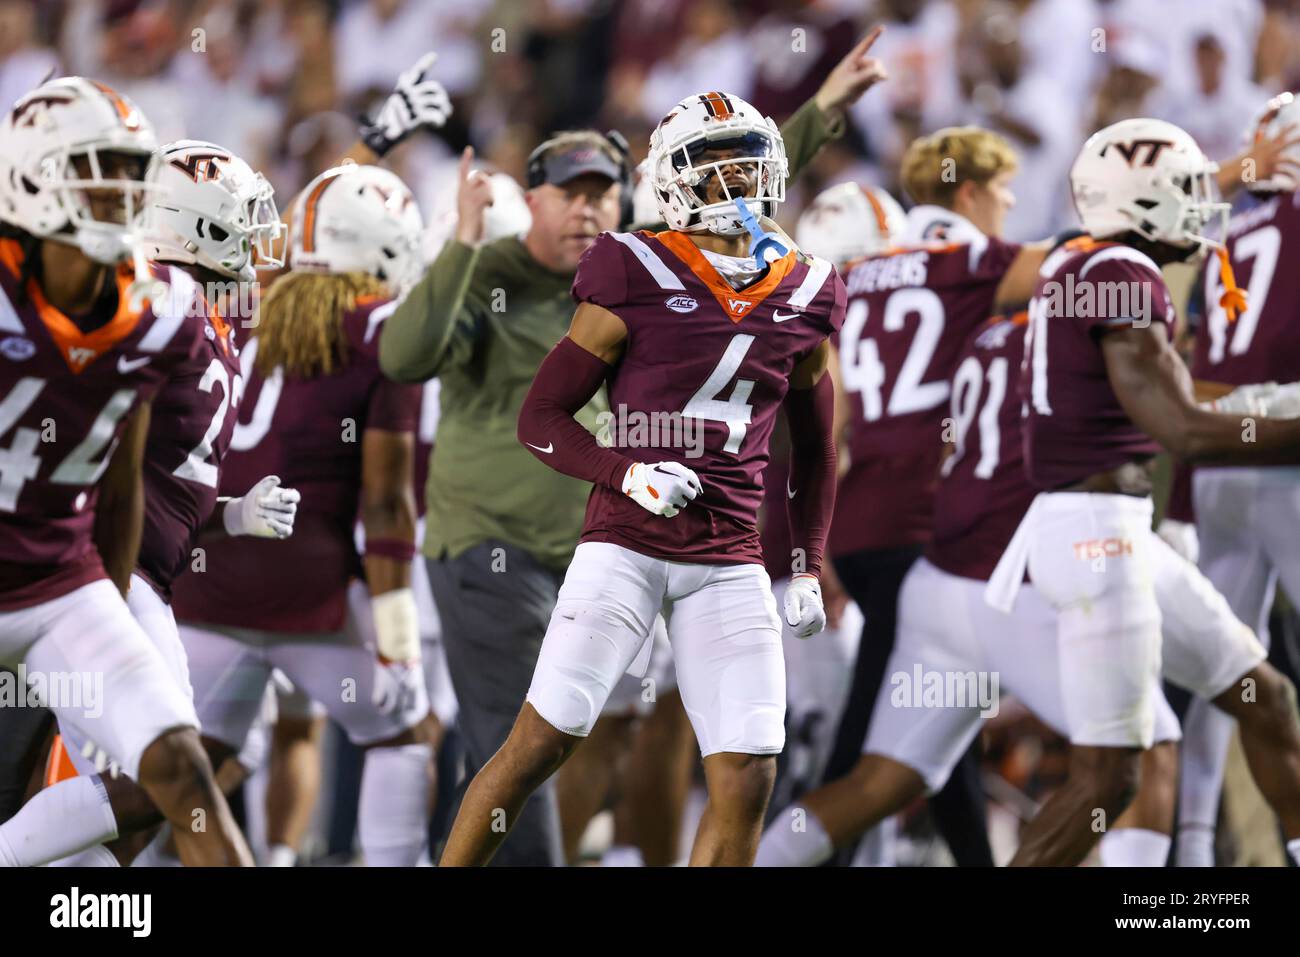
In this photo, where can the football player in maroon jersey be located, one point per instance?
(1104, 391)
(945, 628)
(910, 309)
(691, 334)
(79, 354)
(1246, 520)
(319, 413)
(209, 215)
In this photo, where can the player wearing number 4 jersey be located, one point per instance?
(910, 309)
(319, 413)
(198, 192)
(77, 355)
(687, 330)
(1104, 391)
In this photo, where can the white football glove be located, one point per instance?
(1284, 403)
(663, 488)
(265, 511)
(416, 101)
(399, 688)
(1250, 399)
(1181, 537)
(804, 612)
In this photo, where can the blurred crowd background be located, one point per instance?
(279, 81)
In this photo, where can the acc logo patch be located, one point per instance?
(682, 304)
(17, 348)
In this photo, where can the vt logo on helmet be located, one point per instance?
(209, 208)
(73, 155)
(710, 150)
(1147, 177)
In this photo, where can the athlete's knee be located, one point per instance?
(535, 748)
(875, 773)
(1108, 778)
(581, 659)
(174, 768)
(741, 780)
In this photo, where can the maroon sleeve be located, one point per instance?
(994, 260)
(394, 407)
(602, 274)
(569, 376)
(1114, 294)
(811, 489)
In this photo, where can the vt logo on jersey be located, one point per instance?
(1130, 150)
(738, 307)
(78, 356)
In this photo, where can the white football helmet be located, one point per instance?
(1280, 112)
(55, 145)
(849, 221)
(1148, 177)
(208, 207)
(357, 219)
(509, 214)
(701, 136)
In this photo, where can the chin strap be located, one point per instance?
(762, 242)
(1233, 299)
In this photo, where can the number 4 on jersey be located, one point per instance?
(84, 465)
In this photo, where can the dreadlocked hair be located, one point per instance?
(301, 323)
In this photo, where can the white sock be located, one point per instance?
(97, 856)
(795, 839)
(60, 820)
(1134, 847)
(156, 853)
(1195, 846)
(393, 816)
(281, 855)
(1204, 754)
(1293, 848)
(622, 855)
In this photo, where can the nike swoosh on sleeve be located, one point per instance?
(550, 447)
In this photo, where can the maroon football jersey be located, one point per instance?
(983, 492)
(1261, 345)
(703, 374)
(1075, 425)
(909, 311)
(189, 434)
(308, 431)
(66, 399)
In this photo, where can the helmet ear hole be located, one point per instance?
(217, 233)
(32, 188)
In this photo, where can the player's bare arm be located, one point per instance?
(1018, 284)
(119, 516)
(598, 331)
(1152, 384)
(387, 505)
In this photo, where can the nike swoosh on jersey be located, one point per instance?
(550, 447)
(777, 317)
(125, 365)
(790, 493)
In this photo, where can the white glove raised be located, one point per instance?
(1250, 399)
(1181, 537)
(804, 612)
(664, 488)
(416, 101)
(265, 511)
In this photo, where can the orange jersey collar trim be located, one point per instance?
(736, 304)
(79, 348)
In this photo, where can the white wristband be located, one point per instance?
(397, 625)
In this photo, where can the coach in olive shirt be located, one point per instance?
(500, 526)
